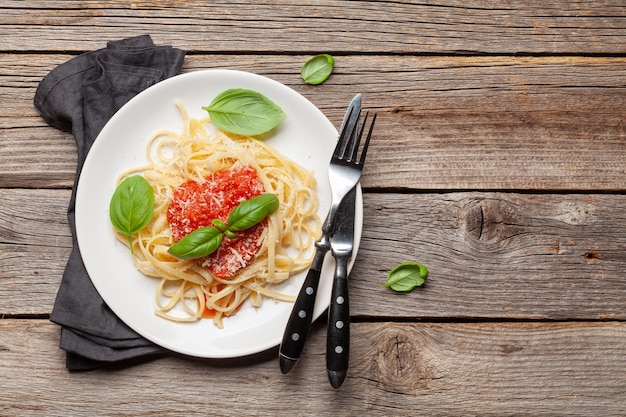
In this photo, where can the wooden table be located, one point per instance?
(499, 162)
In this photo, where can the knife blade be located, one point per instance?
(299, 323)
(338, 330)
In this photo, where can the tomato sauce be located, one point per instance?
(196, 205)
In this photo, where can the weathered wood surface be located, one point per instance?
(397, 369)
(495, 27)
(499, 161)
(444, 123)
(491, 255)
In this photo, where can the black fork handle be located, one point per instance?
(338, 332)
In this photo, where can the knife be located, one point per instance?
(299, 324)
(338, 331)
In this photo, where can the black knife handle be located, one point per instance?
(299, 323)
(338, 333)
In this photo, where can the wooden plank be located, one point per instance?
(32, 154)
(490, 255)
(495, 255)
(459, 123)
(35, 243)
(401, 27)
(440, 369)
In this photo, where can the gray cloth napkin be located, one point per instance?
(80, 96)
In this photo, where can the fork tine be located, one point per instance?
(355, 140)
(367, 140)
(344, 138)
(353, 136)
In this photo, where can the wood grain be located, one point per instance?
(495, 255)
(490, 255)
(399, 27)
(498, 162)
(444, 123)
(399, 369)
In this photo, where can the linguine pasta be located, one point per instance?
(187, 290)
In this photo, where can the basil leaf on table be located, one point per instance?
(132, 205)
(317, 69)
(201, 242)
(252, 211)
(406, 276)
(244, 112)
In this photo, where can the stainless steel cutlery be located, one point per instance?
(337, 235)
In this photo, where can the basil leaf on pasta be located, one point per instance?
(132, 205)
(201, 242)
(244, 112)
(252, 212)
(205, 240)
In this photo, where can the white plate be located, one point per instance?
(305, 136)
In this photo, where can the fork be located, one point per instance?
(344, 173)
(342, 243)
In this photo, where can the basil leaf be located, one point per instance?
(132, 205)
(406, 276)
(252, 212)
(317, 69)
(205, 240)
(201, 242)
(229, 234)
(244, 112)
(219, 225)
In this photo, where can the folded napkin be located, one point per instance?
(80, 96)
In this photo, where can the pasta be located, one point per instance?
(198, 157)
